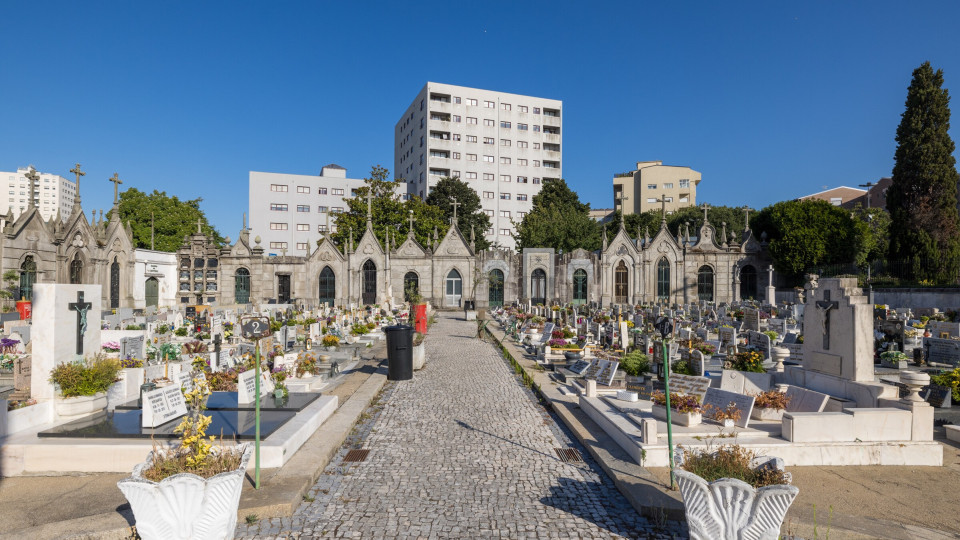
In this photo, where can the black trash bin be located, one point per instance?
(469, 305)
(399, 352)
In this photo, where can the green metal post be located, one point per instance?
(257, 417)
(666, 389)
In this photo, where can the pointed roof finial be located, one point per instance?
(746, 218)
(370, 207)
(604, 237)
(244, 221)
(646, 235)
(199, 231)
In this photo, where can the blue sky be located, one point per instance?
(768, 100)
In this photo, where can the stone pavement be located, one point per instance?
(461, 451)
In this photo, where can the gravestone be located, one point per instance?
(21, 379)
(162, 405)
(65, 330)
(760, 342)
(721, 399)
(23, 335)
(579, 367)
(607, 371)
(803, 400)
(777, 325)
(246, 386)
(745, 382)
(689, 384)
(942, 351)
(728, 338)
(939, 328)
(132, 347)
(751, 319)
(838, 330)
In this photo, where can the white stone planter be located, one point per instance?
(185, 505)
(419, 356)
(901, 364)
(729, 509)
(75, 407)
(766, 415)
(678, 418)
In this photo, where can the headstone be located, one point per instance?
(689, 384)
(838, 330)
(939, 328)
(66, 329)
(162, 405)
(777, 325)
(21, 378)
(803, 400)
(760, 342)
(579, 367)
(246, 386)
(132, 347)
(728, 337)
(745, 382)
(721, 399)
(607, 371)
(942, 351)
(751, 319)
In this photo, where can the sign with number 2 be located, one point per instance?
(255, 327)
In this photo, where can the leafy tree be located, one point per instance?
(677, 221)
(803, 234)
(469, 213)
(559, 220)
(389, 212)
(876, 243)
(922, 200)
(173, 219)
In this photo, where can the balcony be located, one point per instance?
(551, 164)
(547, 137)
(436, 97)
(551, 130)
(551, 147)
(440, 135)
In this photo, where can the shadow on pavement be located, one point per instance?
(569, 497)
(465, 425)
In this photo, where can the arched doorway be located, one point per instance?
(748, 282)
(151, 292)
(495, 288)
(115, 284)
(369, 283)
(411, 285)
(76, 270)
(620, 280)
(28, 276)
(328, 287)
(663, 280)
(705, 283)
(454, 289)
(538, 287)
(241, 286)
(580, 286)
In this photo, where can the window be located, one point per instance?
(456, 100)
(278, 207)
(353, 192)
(521, 144)
(668, 185)
(668, 199)
(471, 120)
(505, 213)
(321, 228)
(488, 140)
(488, 195)
(536, 180)
(536, 146)
(303, 189)
(278, 187)
(536, 129)
(521, 179)
(521, 196)
(521, 215)
(505, 160)
(421, 141)
(488, 176)
(504, 177)
(652, 200)
(303, 208)
(505, 196)
(490, 231)
(522, 108)
(836, 201)
(472, 102)
(522, 162)
(504, 142)
(303, 227)
(278, 226)
(489, 104)
(505, 125)
(302, 245)
(456, 136)
(321, 209)
(471, 176)
(684, 199)
(684, 183)
(339, 191)
(456, 155)
(321, 191)
(471, 157)
(471, 138)
(456, 118)
(488, 159)
(488, 122)
(504, 232)
(505, 106)
(278, 245)
(536, 163)
(489, 213)
(651, 186)
(536, 110)
(336, 209)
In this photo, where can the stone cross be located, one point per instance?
(705, 207)
(824, 306)
(411, 222)
(623, 208)
(454, 204)
(369, 204)
(663, 206)
(770, 275)
(33, 177)
(116, 186)
(81, 308)
(76, 170)
(746, 219)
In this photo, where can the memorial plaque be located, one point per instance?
(689, 384)
(607, 372)
(938, 396)
(720, 399)
(247, 386)
(939, 327)
(594, 369)
(751, 319)
(132, 347)
(760, 342)
(579, 367)
(942, 351)
(162, 405)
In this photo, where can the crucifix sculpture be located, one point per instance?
(76, 170)
(81, 308)
(116, 187)
(663, 206)
(33, 177)
(454, 204)
(823, 308)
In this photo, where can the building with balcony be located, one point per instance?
(503, 145)
(50, 192)
(642, 189)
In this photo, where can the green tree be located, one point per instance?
(389, 212)
(922, 200)
(678, 220)
(173, 219)
(469, 213)
(876, 243)
(559, 220)
(803, 234)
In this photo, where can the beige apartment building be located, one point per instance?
(640, 190)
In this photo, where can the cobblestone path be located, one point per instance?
(461, 451)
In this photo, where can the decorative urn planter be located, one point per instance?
(571, 356)
(75, 407)
(678, 418)
(185, 505)
(730, 509)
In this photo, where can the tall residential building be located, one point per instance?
(290, 212)
(50, 192)
(640, 190)
(503, 145)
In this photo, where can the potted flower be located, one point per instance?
(731, 494)
(192, 491)
(83, 385)
(893, 359)
(727, 416)
(331, 342)
(634, 364)
(307, 364)
(751, 361)
(769, 405)
(279, 375)
(686, 408)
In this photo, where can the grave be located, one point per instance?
(65, 330)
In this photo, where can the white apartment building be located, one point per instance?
(504, 145)
(50, 192)
(290, 212)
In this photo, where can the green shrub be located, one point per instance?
(635, 363)
(85, 377)
(732, 461)
(182, 331)
(682, 367)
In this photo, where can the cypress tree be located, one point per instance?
(922, 200)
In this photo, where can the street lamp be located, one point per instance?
(868, 185)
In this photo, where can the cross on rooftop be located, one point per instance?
(76, 170)
(454, 204)
(704, 207)
(116, 187)
(411, 222)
